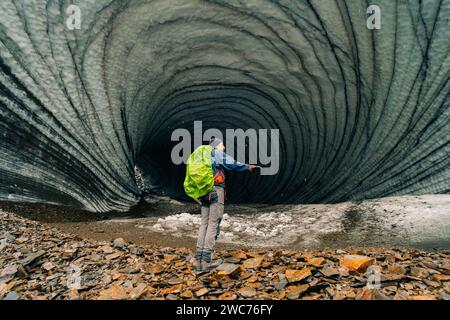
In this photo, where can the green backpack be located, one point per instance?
(199, 179)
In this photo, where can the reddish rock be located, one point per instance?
(356, 262)
(297, 275)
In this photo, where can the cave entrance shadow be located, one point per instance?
(164, 178)
(49, 213)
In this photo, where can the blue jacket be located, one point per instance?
(221, 161)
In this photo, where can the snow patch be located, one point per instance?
(392, 221)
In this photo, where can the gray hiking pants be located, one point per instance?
(212, 214)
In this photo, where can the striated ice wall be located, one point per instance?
(362, 113)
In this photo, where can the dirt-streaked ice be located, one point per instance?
(422, 221)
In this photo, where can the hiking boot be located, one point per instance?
(197, 265)
(208, 266)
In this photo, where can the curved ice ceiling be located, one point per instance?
(362, 113)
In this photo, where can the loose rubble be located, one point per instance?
(40, 262)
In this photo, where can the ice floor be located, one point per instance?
(422, 221)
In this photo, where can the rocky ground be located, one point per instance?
(39, 261)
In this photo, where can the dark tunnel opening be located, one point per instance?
(222, 113)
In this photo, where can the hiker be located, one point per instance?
(212, 206)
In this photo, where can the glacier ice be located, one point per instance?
(362, 113)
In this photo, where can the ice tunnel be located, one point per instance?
(362, 112)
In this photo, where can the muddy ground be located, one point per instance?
(410, 221)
